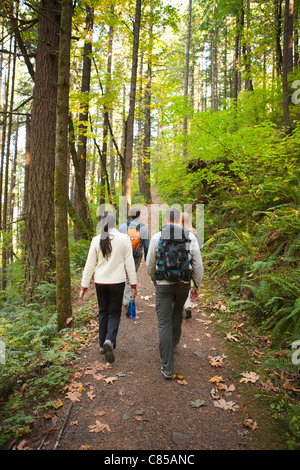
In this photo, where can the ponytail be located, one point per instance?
(108, 220)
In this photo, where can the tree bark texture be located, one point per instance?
(40, 211)
(83, 211)
(5, 247)
(63, 278)
(287, 62)
(186, 73)
(130, 119)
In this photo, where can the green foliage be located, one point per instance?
(78, 253)
(246, 171)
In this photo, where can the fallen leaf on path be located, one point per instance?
(250, 423)
(217, 361)
(226, 388)
(98, 427)
(74, 423)
(98, 376)
(182, 382)
(214, 394)
(110, 380)
(226, 405)
(249, 377)
(99, 413)
(216, 378)
(73, 396)
(84, 447)
(231, 337)
(206, 322)
(91, 395)
(22, 445)
(145, 297)
(197, 403)
(175, 376)
(208, 335)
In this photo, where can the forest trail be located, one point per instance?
(130, 406)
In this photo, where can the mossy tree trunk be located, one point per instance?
(63, 278)
(39, 230)
(80, 203)
(130, 119)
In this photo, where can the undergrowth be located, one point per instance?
(36, 358)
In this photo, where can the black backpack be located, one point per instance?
(173, 254)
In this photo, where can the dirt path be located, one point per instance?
(130, 406)
(138, 409)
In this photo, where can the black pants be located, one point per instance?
(110, 306)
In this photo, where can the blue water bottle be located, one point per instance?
(131, 308)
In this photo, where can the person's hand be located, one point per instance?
(194, 294)
(81, 294)
(134, 292)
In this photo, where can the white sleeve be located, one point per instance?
(151, 257)
(196, 262)
(89, 266)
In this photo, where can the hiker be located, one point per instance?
(185, 221)
(111, 254)
(172, 275)
(140, 244)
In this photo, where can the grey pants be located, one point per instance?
(170, 301)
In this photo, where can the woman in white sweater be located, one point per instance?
(111, 254)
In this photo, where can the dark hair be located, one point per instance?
(172, 215)
(108, 220)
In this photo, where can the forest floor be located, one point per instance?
(130, 406)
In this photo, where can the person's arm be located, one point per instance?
(130, 267)
(151, 258)
(88, 270)
(196, 262)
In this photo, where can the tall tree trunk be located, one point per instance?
(140, 127)
(225, 67)
(278, 26)
(214, 70)
(186, 74)
(5, 248)
(112, 162)
(246, 51)
(63, 278)
(40, 218)
(237, 50)
(287, 64)
(12, 193)
(146, 168)
(3, 142)
(296, 33)
(26, 182)
(130, 119)
(83, 211)
(104, 173)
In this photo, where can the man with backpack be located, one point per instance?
(139, 237)
(173, 259)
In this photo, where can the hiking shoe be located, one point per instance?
(108, 351)
(188, 313)
(102, 351)
(166, 373)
